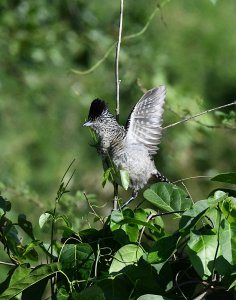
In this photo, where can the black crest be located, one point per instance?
(96, 109)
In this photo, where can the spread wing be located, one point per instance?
(144, 123)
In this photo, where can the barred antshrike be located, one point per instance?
(132, 147)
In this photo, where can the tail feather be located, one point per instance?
(162, 178)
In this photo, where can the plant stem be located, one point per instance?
(199, 114)
(117, 61)
(115, 201)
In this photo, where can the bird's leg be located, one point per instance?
(134, 195)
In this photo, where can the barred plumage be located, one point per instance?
(132, 147)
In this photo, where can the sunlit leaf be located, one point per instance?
(168, 197)
(24, 277)
(228, 207)
(44, 218)
(202, 250)
(125, 180)
(152, 297)
(227, 239)
(127, 255)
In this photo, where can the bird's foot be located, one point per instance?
(134, 196)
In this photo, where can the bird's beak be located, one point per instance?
(87, 124)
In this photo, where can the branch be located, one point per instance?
(199, 114)
(7, 264)
(192, 177)
(115, 201)
(117, 61)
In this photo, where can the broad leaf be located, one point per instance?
(193, 215)
(227, 239)
(168, 197)
(215, 199)
(225, 177)
(116, 288)
(24, 277)
(26, 225)
(163, 249)
(202, 252)
(127, 255)
(5, 205)
(228, 207)
(44, 218)
(124, 226)
(152, 297)
(77, 261)
(94, 292)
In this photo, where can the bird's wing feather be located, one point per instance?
(144, 123)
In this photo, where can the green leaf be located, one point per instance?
(30, 251)
(168, 197)
(44, 218)
(192, 216)
(137, 222)
(116, 288)
(117, 216)
(65, 219)
(227, 239)
(125, 180)
(106, 176)
(218, 197)
(163, 249)
(225, 177)
(125, 227)
(35, 291)
(77, 261)
(202, 250)
(5, 205)
(24, 277)
(93, 292)
(228, 208)
(62, 294)
(152, 297)
(126, 255)
(25, 225)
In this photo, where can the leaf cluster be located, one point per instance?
(133, 255)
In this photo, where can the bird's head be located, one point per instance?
(97, 116)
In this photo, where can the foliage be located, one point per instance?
(132, 255)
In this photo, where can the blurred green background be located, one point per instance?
(190, 46)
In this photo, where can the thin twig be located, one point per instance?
(117, 61)
(192, 177)
(190, 196)
(7, 264)
(115, 202)
(142, 231)
(93, 210)
(168, 213)
(199, 114)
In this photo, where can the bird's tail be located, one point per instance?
(162, 178)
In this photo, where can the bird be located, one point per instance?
(131, 147)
